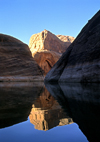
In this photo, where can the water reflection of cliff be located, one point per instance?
(46, 113)
(16, 101)
(82, 103)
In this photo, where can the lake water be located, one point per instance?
(48, 113)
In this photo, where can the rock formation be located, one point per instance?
(16, 61)
(68, 39)
(46, 113)
(81, 61)
(48, 41)
(47, 48)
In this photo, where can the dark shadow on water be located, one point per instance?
(81, 102)
(16, 101)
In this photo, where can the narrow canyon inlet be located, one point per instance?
(48, 113)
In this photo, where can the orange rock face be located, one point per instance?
(46, 59)
(47, 48)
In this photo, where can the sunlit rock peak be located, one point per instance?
(46, 40)
(47, 48)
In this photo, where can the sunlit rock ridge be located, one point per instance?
(81, 61)
(46, 40)
(47, 48)
(16, 61)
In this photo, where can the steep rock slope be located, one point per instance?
(81, 61)
(16, 61)
(47, 48)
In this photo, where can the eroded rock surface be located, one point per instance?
(16, 61)
(64, 38)
(81, 61)
(47, 48)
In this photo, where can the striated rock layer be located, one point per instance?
(47, 48)
(16, 61)
(81, 61)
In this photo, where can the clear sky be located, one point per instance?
(23, 18)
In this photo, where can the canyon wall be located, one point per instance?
(81, 61)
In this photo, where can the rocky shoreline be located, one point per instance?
(21, 78)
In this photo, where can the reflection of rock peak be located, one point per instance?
(46, 113)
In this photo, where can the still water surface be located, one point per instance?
(66, 112)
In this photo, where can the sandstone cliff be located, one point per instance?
(48, 41)
(64, 38)
(47, 48)
(16, 61)
(81, 61)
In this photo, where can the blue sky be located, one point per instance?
(23, 18)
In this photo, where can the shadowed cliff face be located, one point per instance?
(16, 101)
(81, 102)
(16, 61)
(46, 113)
(46, 59)
(81, 61)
